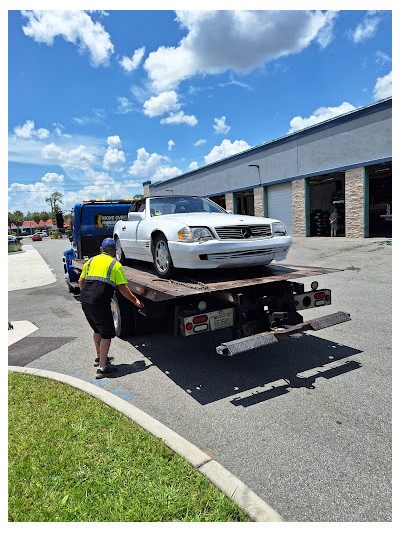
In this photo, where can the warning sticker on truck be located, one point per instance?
(107, 222)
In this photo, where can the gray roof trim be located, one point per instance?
(303, 176)
(347, 117)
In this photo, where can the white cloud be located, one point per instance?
(240, 41)
(152, 166)
(170, 144)
(319, 115)
(193, 165)
(367, 28)
(130, 64)
(383, 87)
(220, 127)
(382, 58)
(114, 160)
(102, 185)
(77, 159)
(179, 118)
(76, 27)
(58, 130)
(225, 149)
(28, 131)
(165, 102)
(35, 194)
(124, 105)
(98, 116)
(200, 142)
(114, 141)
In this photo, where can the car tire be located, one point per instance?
(119, 253)
(162, 259)
(123, 312)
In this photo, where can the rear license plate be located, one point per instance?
(222, 321)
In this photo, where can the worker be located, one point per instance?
(99, 278)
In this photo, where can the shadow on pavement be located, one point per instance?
(194, 366)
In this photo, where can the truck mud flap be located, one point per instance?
(245, 344)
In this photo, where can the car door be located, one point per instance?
(129, 233)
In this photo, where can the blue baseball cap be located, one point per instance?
(108, 243)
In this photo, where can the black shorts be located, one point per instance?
(100, 319)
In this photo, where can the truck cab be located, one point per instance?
(92, 222)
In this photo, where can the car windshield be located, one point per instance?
(182, 204)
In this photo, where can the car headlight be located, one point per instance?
(194, 234)
(279, 228)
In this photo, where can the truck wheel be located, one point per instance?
(119, 254)
(123, 314)
(162, 258)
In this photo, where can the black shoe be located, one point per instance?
(109, 370)
(97, 360)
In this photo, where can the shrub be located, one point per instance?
(14, 247)
(55, 235)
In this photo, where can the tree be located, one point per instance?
(36, 217)
(55, 199)
(44, 215)
(18, 219)
(10, 219)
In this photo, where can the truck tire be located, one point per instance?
(123, 312)
(119, 253)
(162, 259)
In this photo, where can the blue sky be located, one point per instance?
(101, 101)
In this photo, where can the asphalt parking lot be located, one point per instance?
(305, 423)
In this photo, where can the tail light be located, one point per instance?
(200, 319)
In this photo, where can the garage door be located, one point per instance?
(280, 203)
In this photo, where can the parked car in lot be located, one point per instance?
(37, 237)
(194, 232)
(12, 239)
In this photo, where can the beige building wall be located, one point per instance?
(146, 189)
(299, 207)
(229, 202)
(354, 195)
(259, 201)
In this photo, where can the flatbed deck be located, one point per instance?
(143, 281)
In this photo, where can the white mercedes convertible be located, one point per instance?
(193, 232)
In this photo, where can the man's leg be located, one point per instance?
(97, 339)
(104, 347)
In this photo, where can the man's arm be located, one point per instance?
(81, 281)
(124, 290)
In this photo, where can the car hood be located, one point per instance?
(216, 219)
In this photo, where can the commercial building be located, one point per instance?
(344, 162)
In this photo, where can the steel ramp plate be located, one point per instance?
(329, 320)
(246, 343)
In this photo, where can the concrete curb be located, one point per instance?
(256, 508)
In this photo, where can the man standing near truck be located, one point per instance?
(100, 276)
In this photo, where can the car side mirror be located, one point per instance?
(136, 215)
(71, 239)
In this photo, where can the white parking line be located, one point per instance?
(21, 329)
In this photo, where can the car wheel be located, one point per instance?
(119, 253)
(162, 258)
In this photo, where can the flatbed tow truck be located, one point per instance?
(259, 305)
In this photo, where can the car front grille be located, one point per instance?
(244, 232)
(260, 252)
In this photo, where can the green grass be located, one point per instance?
(15, 247)
(74, 459)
